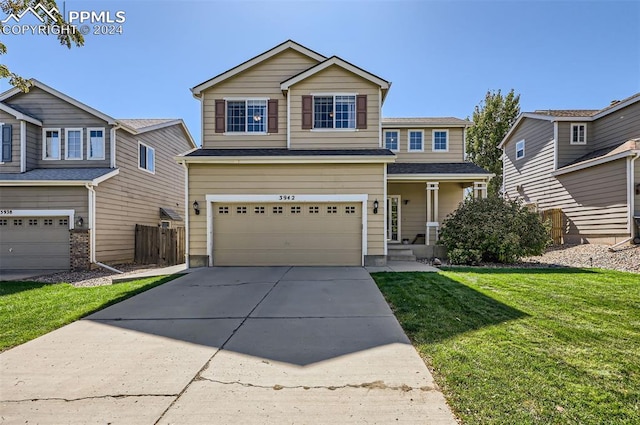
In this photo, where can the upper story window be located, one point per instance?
(146, 158)
(440, 140)
(391, 139)
(520, 149)
(247, 116)
(416, 141)
(6, 146)
(73, 143)
(578, 134)
(95, 143)
(334, 111)
(50, 143)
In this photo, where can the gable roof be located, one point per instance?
(289, 44)
(587, 115)
(425, 121)
(144, 125)
(337, 61)
(35, 83)
(19, 115)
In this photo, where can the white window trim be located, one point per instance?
(247, 133)
(384, 139)
(313, 112)
(1, 146)
(409, 140)
(104, 143)
(44, 143)
(576, 124)
(154, 157)
(66, 144)
(433, 140)
(523, 149)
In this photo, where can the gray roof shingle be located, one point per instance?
(58, 174)
(290, 152)
(435, 168)
(139, 123)
(426, 121)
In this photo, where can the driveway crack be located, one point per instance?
(95, 397)
(375, 385)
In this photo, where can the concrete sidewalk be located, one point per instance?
(264, 345)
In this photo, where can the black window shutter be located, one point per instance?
(307, 112)
(6, 143)
(220, 105)
(361, 111)
(273, 116)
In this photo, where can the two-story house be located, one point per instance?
(74, 181)
(583, 162)
(298, 167)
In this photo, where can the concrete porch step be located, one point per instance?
(393, 257)
(405, 251)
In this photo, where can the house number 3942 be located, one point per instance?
(287, 197)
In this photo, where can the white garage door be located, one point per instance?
(36, 243)
(269, 234)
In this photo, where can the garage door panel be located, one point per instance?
(34, 243)
(287, 234)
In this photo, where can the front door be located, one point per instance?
(393, 218)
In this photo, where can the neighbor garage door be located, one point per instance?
(37, 243)
(287, 234)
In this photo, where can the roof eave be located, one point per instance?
(293, 159)
(440, 176)
(594, 162)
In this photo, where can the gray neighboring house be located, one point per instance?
(584, 162)
(74, 181)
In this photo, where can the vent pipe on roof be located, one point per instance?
(613, 102)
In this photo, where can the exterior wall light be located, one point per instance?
(375, 206)
(79, 221)
(196, 207)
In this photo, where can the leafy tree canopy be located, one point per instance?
(66, 38)
(492, 119)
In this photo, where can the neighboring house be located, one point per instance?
(74, 182)
(298, 167)
(583, 162)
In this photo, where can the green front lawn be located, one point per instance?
(526, 346)
(31, 309)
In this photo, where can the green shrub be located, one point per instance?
(493, 230)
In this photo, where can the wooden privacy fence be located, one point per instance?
(555, 216)
(157, 245)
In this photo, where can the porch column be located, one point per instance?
(479, 190)
(432, 211)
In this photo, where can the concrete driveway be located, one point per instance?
(268, 345)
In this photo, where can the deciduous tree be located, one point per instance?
(492, 119)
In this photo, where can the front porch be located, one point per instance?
(418, 203)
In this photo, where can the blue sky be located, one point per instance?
(441, 56)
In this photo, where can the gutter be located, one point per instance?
(338, 159)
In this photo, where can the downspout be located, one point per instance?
(112, 138)
(92, 228)
(23, 146)
(289, 119)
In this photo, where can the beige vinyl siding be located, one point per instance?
(262, 80)
(34, 146)
(455, 153)
(617, 127)
(291, 179)
(414, 214)
(45, 198)
(135, 196)
(593, 200)
(14, 165)
(335, 80)
(56, 113)
(568, 152)
(636, 187)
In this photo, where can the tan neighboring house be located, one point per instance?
(74, 181)
(583, 162)
(298, 167)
